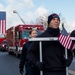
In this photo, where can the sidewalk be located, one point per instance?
(72, 72)
(72, 67)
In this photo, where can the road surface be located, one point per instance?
(9, 65)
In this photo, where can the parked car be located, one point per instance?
(3, 45)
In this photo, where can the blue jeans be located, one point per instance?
(55, 73)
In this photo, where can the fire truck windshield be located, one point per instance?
(39, 32)
(25, 34)
(2, 36)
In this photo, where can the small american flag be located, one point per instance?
(65, 39)
(2, 22)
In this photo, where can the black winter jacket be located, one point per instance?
(23, 57)
(53, 52)
(73, 35)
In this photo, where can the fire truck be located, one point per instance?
(18, 35)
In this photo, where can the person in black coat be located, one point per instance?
(53, 53)
(73, 35)
(23, 60)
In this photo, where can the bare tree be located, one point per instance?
(42, 20)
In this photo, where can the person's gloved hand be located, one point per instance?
(39, 65)
(67, 62)
(21, 70)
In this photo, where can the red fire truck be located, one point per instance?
(18, 35)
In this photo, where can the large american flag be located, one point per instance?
(2, 22)
(65, 39)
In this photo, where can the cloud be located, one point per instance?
(20, 4)
(31, 16)
(41, 11)
(1, 7)
(70, 26)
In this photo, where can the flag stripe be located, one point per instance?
(63, 39)
(67, 42)
(3, 27)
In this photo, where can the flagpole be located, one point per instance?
(66, 58)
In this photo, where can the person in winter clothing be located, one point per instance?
(53, 53)
(23, 60)
(73, 35)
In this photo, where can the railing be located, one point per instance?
(40, 39)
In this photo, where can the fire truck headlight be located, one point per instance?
(2, 45)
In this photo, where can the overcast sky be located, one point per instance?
(29, 10)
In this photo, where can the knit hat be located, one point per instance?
(50, 17)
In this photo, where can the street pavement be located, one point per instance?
(9, 65)
(72, 67)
